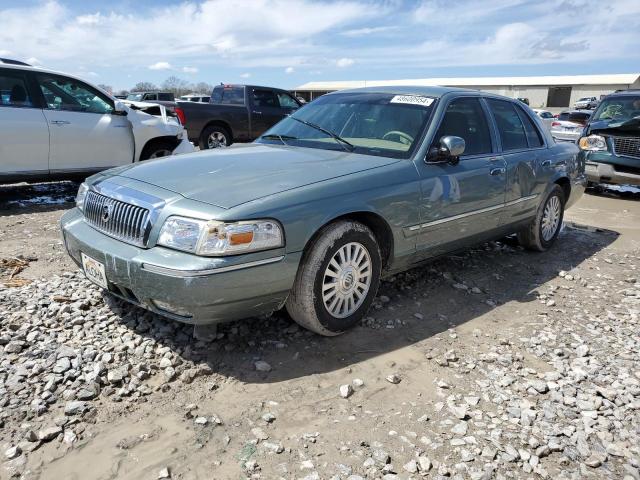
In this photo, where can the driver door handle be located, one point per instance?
(60, 122)
(497, 171)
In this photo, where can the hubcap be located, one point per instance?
(216, 139)
(346, 280)
(160, 153)
(551, 218)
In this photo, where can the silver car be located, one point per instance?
(569, 125)
(546, 116)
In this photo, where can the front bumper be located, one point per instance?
(185, 146)
(211, 290)
(606, 173)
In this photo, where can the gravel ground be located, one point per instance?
(492, 363)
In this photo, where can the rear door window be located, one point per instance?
(465, 118)
(13, 90)
(510, 128)
(264, 98)
(533, 134)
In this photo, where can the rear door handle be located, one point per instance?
(497, 171)
(60, 122)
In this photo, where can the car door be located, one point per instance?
(461, 203)
(86, 133)
(525, 153)
(24, 134)
(265, 110)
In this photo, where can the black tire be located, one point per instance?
(534, 237)
(212, 132)
(157, 149)
(306, 304)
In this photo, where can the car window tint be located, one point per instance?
(13, 91)
(533, 134)
(563, 116)
(168, 97)
(546, 115)
(510, 127)
(265, 98)
(287, 101)
(233, 96)
(465, 118)
(67, 94)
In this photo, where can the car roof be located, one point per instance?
(624, 93)
(431, 91)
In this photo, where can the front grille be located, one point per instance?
(117, 219)
(627, 146)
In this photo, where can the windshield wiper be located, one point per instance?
(348, 146)
(272, 136)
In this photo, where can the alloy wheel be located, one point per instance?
(551, 218)
(346, 280)
(216, 140)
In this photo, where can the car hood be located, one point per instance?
(231, 176)
(613, 126)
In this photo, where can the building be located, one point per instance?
(542, 92)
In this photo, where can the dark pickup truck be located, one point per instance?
(236, 113)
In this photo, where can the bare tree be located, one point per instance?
(202, 87)
(144, 87)
(176, 85)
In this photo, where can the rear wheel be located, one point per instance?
(543, 230)
(214, 136)
(337, 279)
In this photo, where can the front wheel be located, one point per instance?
(543, 230)
(157, 149)
(337, 280)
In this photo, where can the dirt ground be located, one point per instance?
(427, 348)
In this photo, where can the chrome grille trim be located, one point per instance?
(126, 222)
(627, 146)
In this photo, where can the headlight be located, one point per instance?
(593, 143)
(82, 193)
(213, 238)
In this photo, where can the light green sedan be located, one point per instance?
(354, 186)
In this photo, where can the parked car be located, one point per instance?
(357, 185)
(569, 125)
(195, 98)
(611, 142)
(236, 113)
(545, 116)
(585, 103)
(151, 97)
(56, 125)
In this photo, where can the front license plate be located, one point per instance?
(94, 270)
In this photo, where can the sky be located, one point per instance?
(286, 43)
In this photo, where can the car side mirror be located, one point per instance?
(119, 108)
(449, 150)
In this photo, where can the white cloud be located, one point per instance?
(160, 66)
(289, 70)
(345, 62)
(361, 32)
(190, 70)
(245, 75)
(88, 19)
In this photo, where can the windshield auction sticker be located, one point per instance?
(412, 100)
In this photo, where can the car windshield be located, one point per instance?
(136, 97)
(620, 109)
(369, 123)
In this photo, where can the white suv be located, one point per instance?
(55, 125)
